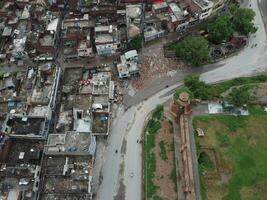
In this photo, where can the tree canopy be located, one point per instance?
(220, 29)
(199, 88)
(237, 19)
(193, 49)
(135, 43)
(242, 19)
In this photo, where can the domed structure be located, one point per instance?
(181, 103)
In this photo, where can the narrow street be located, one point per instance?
(128, 125)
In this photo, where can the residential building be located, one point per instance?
(129, 64)
(106, 39)
(202, 8)
(67, 169)
(20, 165)
(30, 102)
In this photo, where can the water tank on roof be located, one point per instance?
(185, 13)
(110, 29)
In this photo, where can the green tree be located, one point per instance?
(193, 49)
(134, 43)
(192, 81)
(239, 96)
(199, 88)
(220, 29)
(242, 19)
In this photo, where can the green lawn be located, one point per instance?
(240, 144)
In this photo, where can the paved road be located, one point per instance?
(263, 7)
(127, 127)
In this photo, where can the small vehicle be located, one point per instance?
(116, 151)
(132, 175)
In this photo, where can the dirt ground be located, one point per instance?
(154, 65)
(261, 90)
(164, 168)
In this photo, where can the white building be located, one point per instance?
(129, 64)
(205, 8)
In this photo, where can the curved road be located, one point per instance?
(248, 61)
(127, 126)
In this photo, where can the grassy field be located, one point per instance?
(240, 147)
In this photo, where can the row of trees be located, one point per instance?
(195, 49)
(239, 95)
(236, 19)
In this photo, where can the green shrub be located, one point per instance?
(134, 43)
(203, 91)
(157, 113)
(163, 153)
(205, 163)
